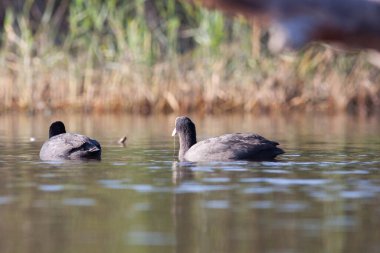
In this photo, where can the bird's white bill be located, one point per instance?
(174, 132)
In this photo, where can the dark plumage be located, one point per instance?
(68, 146)
(228, 147)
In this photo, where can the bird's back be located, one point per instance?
(70, 146)
(237, 146)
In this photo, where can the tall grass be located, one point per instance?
(114, 58)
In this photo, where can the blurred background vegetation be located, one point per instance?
(146, 56)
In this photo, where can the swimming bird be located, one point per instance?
(68, 146)
(228, 147)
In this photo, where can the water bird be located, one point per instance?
(228, 147)
(68, 146)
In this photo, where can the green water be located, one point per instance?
(323, 195)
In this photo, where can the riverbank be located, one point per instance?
(121, 67)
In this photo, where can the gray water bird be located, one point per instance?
(228, 147)
(68, 146)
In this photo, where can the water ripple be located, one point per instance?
(6, 200)
(356, 194)
(79, 202)
(217, 204)
(144, 206)
(197, 188)
(216, 180)
(51, 187)
(261, 204)
(345, 172)
(150, 238)
(286, 181)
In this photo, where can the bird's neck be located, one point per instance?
(185, 143)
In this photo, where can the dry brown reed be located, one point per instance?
(311, 81)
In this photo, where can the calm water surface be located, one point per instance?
(323, 195)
